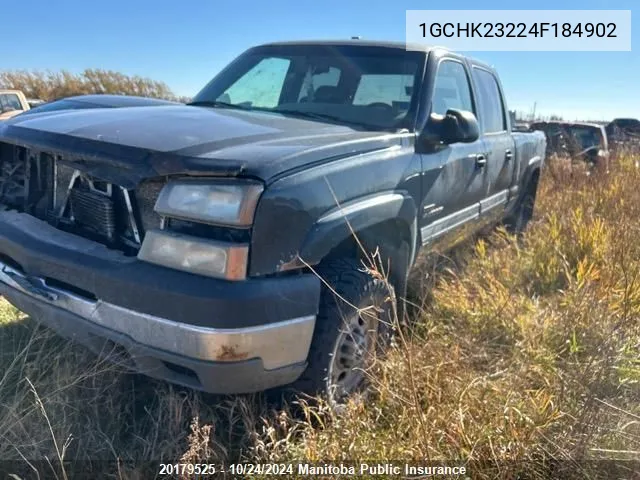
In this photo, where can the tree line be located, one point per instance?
(50, 85)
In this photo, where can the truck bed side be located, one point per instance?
(530, 153)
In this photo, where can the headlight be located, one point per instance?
(210, 202)
(195, 255)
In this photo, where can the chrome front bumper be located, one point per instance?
(276, 345)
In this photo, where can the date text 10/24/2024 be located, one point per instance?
(307, 469)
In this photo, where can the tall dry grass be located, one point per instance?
(523, 361)
(51, 85)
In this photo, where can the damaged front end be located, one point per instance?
(47, 186)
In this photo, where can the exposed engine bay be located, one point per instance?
(49, 188)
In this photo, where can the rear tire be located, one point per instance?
(354, 323)
(518, 221)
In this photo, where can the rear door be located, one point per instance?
(452, 177)
(498, 142)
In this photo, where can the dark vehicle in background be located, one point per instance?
(624, 131)
(193, 238)
(96, 101)
(579, 141)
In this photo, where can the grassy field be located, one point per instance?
(523, 359)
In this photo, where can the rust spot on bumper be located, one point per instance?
(229, 353)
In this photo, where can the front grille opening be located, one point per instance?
(67, 287)
(94, 212)
(61, 192)
(10, 262)
(180, 370)
(52, 188)
(14, 176)
(101, 186)
(144, 201)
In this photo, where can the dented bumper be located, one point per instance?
(209, 355)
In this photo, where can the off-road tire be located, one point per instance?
(518, 221)
(352, 287)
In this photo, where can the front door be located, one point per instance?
(453, 177)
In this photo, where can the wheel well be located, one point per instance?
(388, 237)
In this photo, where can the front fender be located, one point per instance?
(338, 224)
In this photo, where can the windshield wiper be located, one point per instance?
(217, 103)
(325, 116)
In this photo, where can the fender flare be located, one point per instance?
(520, 189)
(337, 225)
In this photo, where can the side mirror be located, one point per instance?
(456, 126)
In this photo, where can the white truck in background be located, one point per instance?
(12, 103)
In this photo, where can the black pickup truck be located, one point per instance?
(219, 244)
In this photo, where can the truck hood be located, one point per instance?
(128, 145)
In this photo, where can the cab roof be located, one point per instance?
(412, 47)
(408, 47)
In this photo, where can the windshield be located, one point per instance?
(374, 87)
(586, 137)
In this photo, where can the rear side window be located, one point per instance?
(490, 103)
(451, 89)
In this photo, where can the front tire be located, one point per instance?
(354, 323)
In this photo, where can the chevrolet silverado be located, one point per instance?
(220, 244)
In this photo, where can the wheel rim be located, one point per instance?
(353, 353)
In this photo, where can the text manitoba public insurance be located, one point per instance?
(379, 469)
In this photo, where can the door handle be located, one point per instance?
(481, 160)
(508, 155)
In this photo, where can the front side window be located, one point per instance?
(451, 89)
(369, 87)
(489, 101)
